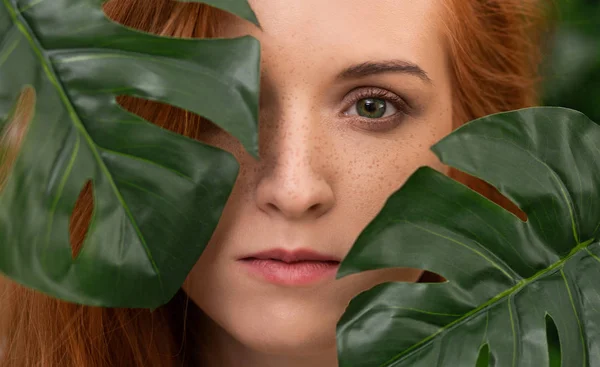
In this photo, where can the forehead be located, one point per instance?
(340, 32)
(326, 18)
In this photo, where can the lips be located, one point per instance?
(292, 256)
(302, 267)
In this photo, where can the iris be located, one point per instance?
(371, 107)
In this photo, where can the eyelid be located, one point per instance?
(372, 92)
(383, 124)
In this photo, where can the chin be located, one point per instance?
(269, 320)
(289, 327)
(287, 336)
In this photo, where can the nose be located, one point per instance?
(294, 182)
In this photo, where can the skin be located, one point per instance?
(325, 171)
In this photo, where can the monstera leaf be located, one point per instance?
(505, 277)
(157, 195)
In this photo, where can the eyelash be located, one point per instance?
(383, 123)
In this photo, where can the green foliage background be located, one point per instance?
(572, 69)
(571, 75)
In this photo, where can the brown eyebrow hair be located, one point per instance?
(378, 67)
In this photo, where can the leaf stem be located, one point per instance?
(516, 288)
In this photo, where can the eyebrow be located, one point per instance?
(379, 67)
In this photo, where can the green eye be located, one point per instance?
(372, 108)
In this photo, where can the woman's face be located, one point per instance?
(353, 95)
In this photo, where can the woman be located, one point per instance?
(353, 95)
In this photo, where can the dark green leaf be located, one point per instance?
(158, 195)
(504, 275)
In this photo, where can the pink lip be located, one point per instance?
(301, 267)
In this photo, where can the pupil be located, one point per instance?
(371, 107)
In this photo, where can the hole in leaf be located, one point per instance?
(405, 275)
(172, 19)
(488, 191)
(13, 133)
(169, 117)
(430, 277)
(80, 218)
(554, 353)
(483, 360)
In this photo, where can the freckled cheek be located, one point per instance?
(375, 174)
(370, 177)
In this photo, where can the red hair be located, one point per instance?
(494, 54)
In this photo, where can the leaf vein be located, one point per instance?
(583, 344)
(7, 52)
(154, 163)
(479, 253)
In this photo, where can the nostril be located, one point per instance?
(314, 208)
